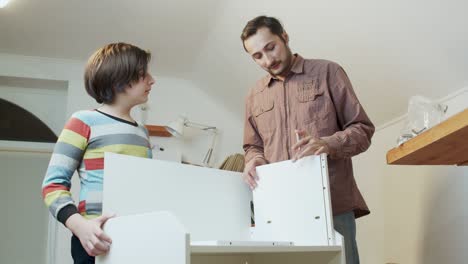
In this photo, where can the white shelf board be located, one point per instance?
(199, 249)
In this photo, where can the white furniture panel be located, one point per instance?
(291, 202)
(212, 204)
(147, 238)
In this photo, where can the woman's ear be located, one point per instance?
(285, 37)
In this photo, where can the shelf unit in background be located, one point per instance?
(158, 131)
(443, 144)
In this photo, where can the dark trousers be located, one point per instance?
(346, 225)
(79, 254)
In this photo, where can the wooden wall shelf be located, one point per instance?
(443, 144)
(158, 131)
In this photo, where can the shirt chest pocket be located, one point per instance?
(313, 102)
(264, 113)
(308, 91)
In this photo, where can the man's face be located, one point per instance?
(270, 52)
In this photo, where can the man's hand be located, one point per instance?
(90, 233)
(250, 175)
(307, 146)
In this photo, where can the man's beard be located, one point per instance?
(287, 65)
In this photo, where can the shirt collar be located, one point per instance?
(297, 68)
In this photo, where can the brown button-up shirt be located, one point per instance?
(316, 96)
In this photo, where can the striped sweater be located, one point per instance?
(80, 147)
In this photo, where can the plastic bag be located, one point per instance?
(423, 114)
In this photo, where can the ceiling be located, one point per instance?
(390, 49)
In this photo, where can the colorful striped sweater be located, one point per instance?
(80, 147)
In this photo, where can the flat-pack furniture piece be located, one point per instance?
(179, 214)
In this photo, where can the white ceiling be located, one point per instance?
(390, 49)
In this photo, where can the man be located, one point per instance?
(305, 107)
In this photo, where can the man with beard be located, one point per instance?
(305, 107)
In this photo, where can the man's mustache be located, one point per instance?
(273, 65)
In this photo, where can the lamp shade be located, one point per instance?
(176, 127)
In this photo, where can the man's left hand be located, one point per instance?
(307, 146)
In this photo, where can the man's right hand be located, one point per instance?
(90, 233)
(250, 174)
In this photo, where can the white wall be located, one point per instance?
(169, 98)
(23, 221)
(418, 213)
(49, 69)
(173, 97)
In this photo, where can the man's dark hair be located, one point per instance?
(112, 68)
(273, 24)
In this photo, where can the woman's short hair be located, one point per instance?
(112, 68)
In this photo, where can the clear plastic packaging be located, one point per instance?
(423, 114)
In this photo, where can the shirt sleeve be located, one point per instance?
(66, 157)
(253, 143)
(356, 127)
